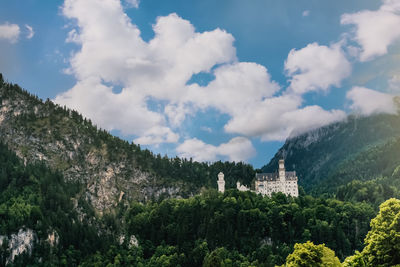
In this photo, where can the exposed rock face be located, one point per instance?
(65, 141)
(133, 242)
(53, 238)
(121, 239)
(19, 243)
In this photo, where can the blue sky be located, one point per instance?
(206, 79)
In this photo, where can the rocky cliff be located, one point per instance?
(106, 166)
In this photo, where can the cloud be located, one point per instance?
(394, 84)
(237, 149)
(366, 101)
(157, 72)
(306, 13)
(9, 32)
(236, 87)
(376, 30)
(246, 92)
(125, 111)
(30, 33)
(113, 53)
(133, 3)
(316, 67)
(280, 117)
(310, 117)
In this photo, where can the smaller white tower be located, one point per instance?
(221, 182)
(282, 176)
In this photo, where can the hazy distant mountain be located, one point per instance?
(338, 153)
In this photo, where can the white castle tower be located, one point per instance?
(282, 175)
(221, 182)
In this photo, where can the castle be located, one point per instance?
(268, 183)
(282, 181)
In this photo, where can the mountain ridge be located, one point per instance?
(317, 154)
(110, 168)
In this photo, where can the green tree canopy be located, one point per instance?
(383, 240)
(308, 254)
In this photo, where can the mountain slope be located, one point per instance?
(319, 155)
(38, 217)
(109, 169)
(40, 225)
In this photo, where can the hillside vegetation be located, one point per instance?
(107, 166)
(361, 148)
(172, 232)
(74, 195)
(211, 229)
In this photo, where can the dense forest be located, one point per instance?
(239, 228)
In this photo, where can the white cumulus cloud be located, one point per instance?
(157, 72)
(237, 149)
(112, 52)
(316, 67)
(280, 117)
(9, 32)
(375, 30)
(366, 101)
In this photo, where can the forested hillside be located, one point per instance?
(375, 173)
(37, 208)
(211, 229)
(361, 148)
(172, 232)
(108, 166)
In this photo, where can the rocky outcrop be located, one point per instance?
(53, 238)
(39, 131)
(19, 243)
(133, 241)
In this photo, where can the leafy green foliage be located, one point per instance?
(382, 244)
(261, 229)
(308, 254)
(374, 191)
(383, 241)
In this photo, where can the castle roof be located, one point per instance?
(290, 176)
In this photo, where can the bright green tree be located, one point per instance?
(383, 240)
(356, 260)
(308, 254)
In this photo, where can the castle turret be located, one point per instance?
(221, 182)
(282, 175)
